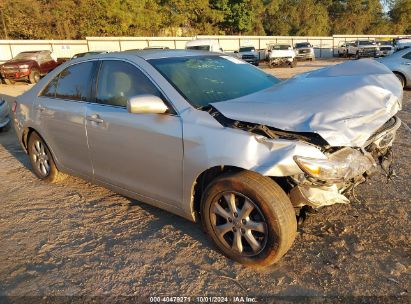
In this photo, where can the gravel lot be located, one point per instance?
(75, 238)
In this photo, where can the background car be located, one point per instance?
(248, 54)
(400, 64)
(279, 54)
(4, 115)
(304, 50)
(343, 48)
(209, 45)
(363, 48)
(386, 48)
(402, 43)
(28, 66)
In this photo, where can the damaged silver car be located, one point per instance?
(214, 139)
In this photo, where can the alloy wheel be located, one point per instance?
(238, 223)
(41, 158)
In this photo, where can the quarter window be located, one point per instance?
(407, 56)
(50, 89)
(74, 82)
(118, 81)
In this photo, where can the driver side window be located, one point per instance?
(119, 80)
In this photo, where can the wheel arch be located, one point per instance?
(25, 141)
(203, 180)
(209, 175)
(25, 135)
(402, 76)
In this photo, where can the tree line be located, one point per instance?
(76, 19)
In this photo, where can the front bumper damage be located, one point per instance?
(376, 155)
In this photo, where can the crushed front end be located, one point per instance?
(327, 181)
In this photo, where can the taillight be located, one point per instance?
(14, 106)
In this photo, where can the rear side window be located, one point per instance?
(118, 81)
(407, 56)
(74, 82)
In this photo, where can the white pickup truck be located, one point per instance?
(280, 54)
(363, 48)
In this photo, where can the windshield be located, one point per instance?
(302, 45)
(199, 47)
(206, 79)
(247, 49)
(280, 47)
(26, 56)
(367, 42)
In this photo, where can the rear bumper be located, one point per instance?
(15, 75)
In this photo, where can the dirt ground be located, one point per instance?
(77, 239)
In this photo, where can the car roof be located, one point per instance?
(35, 52)
(160, 53)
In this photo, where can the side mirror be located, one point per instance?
(146, 104)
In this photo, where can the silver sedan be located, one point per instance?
(400, 64)
(212, 138)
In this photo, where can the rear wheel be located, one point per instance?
(34, 76)
(41, 159)
(293, 64)
(9, 81)
(400, 78)
(249, 218)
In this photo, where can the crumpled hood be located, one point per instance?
(345, 104)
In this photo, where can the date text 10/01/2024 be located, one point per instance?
(201, 299)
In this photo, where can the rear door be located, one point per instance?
(141, 153)
(61, 109)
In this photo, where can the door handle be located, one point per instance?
(95, 118)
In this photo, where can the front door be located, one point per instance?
(141, 153)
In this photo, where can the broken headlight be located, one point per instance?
(343, 164)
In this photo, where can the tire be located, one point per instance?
(6, 128)
(34, 76)
(271, 223)
(9, 81)
(293, 64)
(400, 78)
(357, 55)
(41, 159)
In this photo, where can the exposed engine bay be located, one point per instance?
(327, 181)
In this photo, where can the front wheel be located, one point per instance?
(41, 159)
(249, 218)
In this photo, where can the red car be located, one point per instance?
(27, 66)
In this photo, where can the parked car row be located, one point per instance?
(372, 48)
